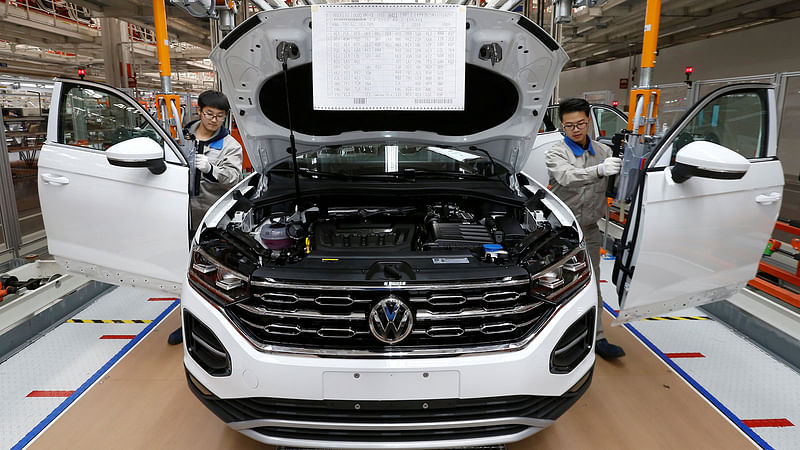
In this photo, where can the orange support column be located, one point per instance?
(643, 108)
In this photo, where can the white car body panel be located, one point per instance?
(245, 64)
(700, 241)
(686, 260)
(119, 225)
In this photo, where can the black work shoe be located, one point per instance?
(608, 350)
(176, 337)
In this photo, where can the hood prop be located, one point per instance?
(285, 52)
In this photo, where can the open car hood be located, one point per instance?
(504, 102)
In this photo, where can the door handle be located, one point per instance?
(768, 199)
(54, 179)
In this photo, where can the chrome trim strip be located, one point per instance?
(348, 300)
(300, 314)
(349, 331)
(381, 426)
(495, 328)
(453, 332)
(276, 328)
(391, 286)
(291, 298)
(424, 314)
(512, 296)
(573, 343)
(445, 444)
(439, 299)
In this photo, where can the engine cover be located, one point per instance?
(458, 235)
(360, 236)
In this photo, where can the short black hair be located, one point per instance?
(574, 105)
(214, 99)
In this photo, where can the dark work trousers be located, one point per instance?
(594, 240)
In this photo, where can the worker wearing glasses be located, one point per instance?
(578, 167)
(218, 160)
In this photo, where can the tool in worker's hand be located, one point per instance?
(617, 144)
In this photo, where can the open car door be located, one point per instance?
(705, 207)
(113, 188)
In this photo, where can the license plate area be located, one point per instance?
(355, 385)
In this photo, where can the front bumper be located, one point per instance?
(356, 402)
(403, 423)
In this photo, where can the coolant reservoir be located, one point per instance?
(274, 236)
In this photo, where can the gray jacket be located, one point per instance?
(574, 179)
(225, 155)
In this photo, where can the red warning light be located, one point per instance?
(688, 70)
(615, 103)
(81, 72)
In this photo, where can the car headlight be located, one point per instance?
(215, 282)
(560, 281)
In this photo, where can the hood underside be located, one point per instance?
(504, 102)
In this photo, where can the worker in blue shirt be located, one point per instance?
(218, 161)
(578, 167)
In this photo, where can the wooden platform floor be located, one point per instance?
(634, 403)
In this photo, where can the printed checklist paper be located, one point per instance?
(388, 57)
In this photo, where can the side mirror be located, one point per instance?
(138, 152)
(708, 160)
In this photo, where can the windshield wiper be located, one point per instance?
(406, 174)
(410, 174)
(306, 172)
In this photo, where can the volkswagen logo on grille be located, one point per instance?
(391, 320)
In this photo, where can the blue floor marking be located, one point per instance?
(88, 383)
(728, 413)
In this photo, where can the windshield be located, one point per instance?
(381, 159)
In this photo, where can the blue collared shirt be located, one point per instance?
(576, 148)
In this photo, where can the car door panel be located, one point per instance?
(121, 225)
(698, 241)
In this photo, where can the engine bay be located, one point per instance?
(396, 239)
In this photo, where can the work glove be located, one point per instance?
(202, 164)
(609, 166)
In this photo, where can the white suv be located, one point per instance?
(419, 291)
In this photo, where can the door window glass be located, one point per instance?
(96, 119)
(608, 122)
(737, 120)
(550, 121)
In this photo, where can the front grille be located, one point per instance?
(336, 318)
(409, 412)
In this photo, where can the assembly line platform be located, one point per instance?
(635, 402)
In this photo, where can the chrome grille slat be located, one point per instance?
(277, 297)
(506, 296)
(301, 314)
(287, 330)
(336, 333)
(494, 328)
(423, 314)
(438, 299)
